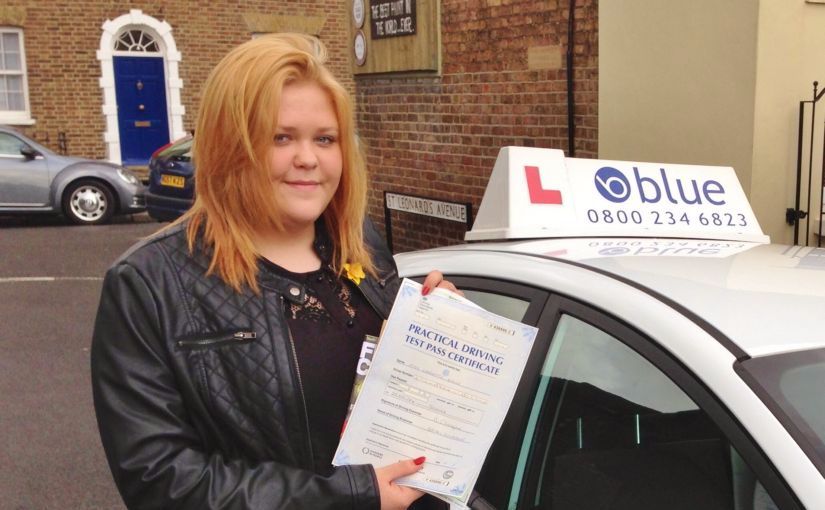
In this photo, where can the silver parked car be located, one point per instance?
(33, 179)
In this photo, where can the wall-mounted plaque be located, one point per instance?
(384, 48)
(358, 13)
(392, 18)
(359, 48)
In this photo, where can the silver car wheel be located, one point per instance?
(88, 202)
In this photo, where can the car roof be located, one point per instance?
(765, 298)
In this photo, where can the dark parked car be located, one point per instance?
(171, 180)
(33, 179)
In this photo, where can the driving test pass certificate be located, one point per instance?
(440, 384)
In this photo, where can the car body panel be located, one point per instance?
(101, 171)
(28, 181)
(723, 288)
(701, 293)
(163, 208)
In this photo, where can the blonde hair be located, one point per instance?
(233, 135)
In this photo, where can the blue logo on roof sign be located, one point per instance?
(614, 185)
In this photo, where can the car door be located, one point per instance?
(605, 419)
(24, 182)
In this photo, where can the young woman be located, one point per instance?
(225, 346)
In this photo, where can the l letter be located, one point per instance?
(539, 195)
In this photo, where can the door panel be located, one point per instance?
(140, 87)
(23, 182)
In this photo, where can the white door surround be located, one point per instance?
(162, 33)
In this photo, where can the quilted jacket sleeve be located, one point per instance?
(154, 452)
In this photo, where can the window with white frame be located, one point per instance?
(136, 40)
(14, 94)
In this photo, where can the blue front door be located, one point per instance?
(141, 102)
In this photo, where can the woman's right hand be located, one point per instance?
(397, 497)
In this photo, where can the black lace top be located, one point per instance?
(327, 329)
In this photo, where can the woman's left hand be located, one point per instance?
(436, 279)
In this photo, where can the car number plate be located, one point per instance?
(175, 181)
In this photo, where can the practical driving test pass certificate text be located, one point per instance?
(439, 386)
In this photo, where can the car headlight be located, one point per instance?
(128, 176)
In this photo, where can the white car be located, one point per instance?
(669, 372)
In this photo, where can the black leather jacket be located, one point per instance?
(197, 389)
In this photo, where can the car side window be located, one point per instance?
(608, 430)
(513, 308)
(514, 301)
(10, 145)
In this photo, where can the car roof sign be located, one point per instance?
(540, 193)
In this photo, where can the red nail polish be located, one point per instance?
(419, 461)
(425, 290)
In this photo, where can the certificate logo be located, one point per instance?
(448, 474)
(372, 453)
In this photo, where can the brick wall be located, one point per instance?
(62, 37)
(503, 82)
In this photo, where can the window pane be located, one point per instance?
(136, 40)
(16, 101)
(14, 83)
(11, 91)
(802, 388)
(11, 43)
(794, 382)
(591, 356)
(4, 102)
(12, 62)
(10, 49)
(506, 306)
(610, 430)
(9, 145)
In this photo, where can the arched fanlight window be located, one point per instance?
(136, 40)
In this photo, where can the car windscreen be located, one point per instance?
(792, 385)
(180, 149)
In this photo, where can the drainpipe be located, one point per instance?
(571, 125)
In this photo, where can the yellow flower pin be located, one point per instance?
(354, 272)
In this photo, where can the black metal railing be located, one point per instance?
(795, 216)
